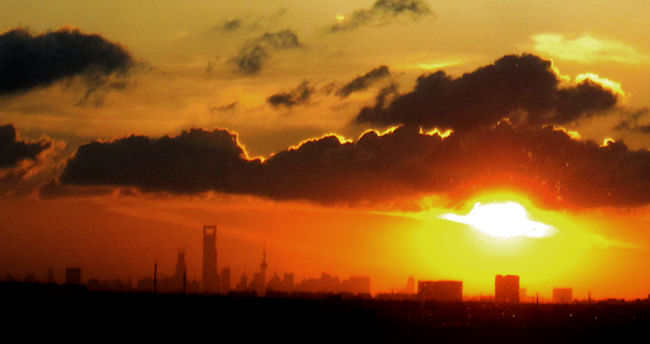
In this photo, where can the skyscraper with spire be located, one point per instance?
(210, 277)
(259, 280)
(263, 265)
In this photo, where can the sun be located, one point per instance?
(502, 220)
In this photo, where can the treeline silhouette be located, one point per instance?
(318, 317)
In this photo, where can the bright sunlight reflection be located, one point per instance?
(504, 220)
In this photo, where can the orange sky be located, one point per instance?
(183, 74)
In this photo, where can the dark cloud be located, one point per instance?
(297, 96)
(523, 88)
(256, 52)
(54, 189)
(231, 25)
(13, 150)
(250, 23)
(329, 88)
(28, 61)
(635, 123)
(195, 161)
(545, 163)
(382, 12)
(25, 165)
(385, 94)
(362, 82)
(224, 108)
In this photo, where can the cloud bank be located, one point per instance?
(28, 61)
(195, 161)
(546, 163)
(522, 88)
(526, 152)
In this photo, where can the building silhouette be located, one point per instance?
(30, 278)
(327, 284)
(181, 269)
(73, 276)
(224, 280)
(506, 289)
(243, 283)
(441, 291)
(410, 286)
(176, 283)
(258, 284)
(50, 276)
(210, 276)
(562, 295)
(356, 285)
(274, 284)
(284, 285)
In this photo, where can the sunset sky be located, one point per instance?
(347, 137)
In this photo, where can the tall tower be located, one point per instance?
(259, 280)
(210, 277)
(181, 269)
(263, 267)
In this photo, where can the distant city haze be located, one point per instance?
(408, 247)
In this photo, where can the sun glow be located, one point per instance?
(607, 141)
(604, 82)
(435, 131)
(503, 220)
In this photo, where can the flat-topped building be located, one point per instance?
(506, 289)
(441, 291)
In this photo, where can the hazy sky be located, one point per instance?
(254, 116)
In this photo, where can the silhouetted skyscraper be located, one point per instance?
(73, 276)
(562, 295)
(225, 280)
(258, 284)
(210, 277)
(506, 289)
(410, 285)
(181, 270)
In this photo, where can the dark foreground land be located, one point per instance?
(73, 311)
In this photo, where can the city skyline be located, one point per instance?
(428, 290)
(506, 287)
(439, 140)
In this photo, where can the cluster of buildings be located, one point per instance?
(506, 287)
(214, 282)
(506, 291)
